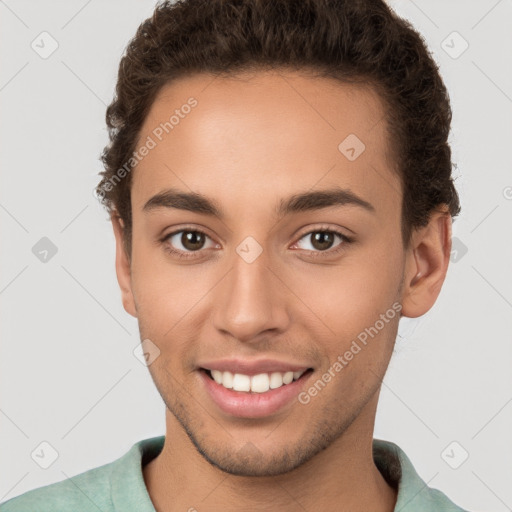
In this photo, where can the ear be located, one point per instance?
(427, 259)
(123, 267)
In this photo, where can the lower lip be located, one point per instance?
(252, 405)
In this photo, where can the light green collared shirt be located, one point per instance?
(119, 485)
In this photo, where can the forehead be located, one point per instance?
(269, 133)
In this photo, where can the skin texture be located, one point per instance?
(250, 142)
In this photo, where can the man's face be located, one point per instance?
(261, 292)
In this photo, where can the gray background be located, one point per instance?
(68, 373)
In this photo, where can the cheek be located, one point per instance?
(169, 297)
(348, 297)
(165, 298)
(154, 290)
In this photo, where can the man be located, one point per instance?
(279, 185)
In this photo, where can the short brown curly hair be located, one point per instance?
(350, 40)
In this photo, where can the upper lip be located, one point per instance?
(247, 367)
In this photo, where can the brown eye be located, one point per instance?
(192, 240)
(322, 242)
(186, 242)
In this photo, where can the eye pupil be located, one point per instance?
(323, 240)
(192, 240)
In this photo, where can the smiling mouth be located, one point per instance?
(260, 383)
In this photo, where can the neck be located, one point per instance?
(342, 477)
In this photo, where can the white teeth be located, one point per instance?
(241, 382)
(227, 380)
(276, 380)
(287, 377)
(217, 376)
(260, 383)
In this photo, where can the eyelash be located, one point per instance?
(329, 252)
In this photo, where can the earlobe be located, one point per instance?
(123, 267)
(427, 260)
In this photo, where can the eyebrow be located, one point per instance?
(301, 202)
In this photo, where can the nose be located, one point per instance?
(251, 301)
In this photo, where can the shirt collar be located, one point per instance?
(413, 493)
(390, 459)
